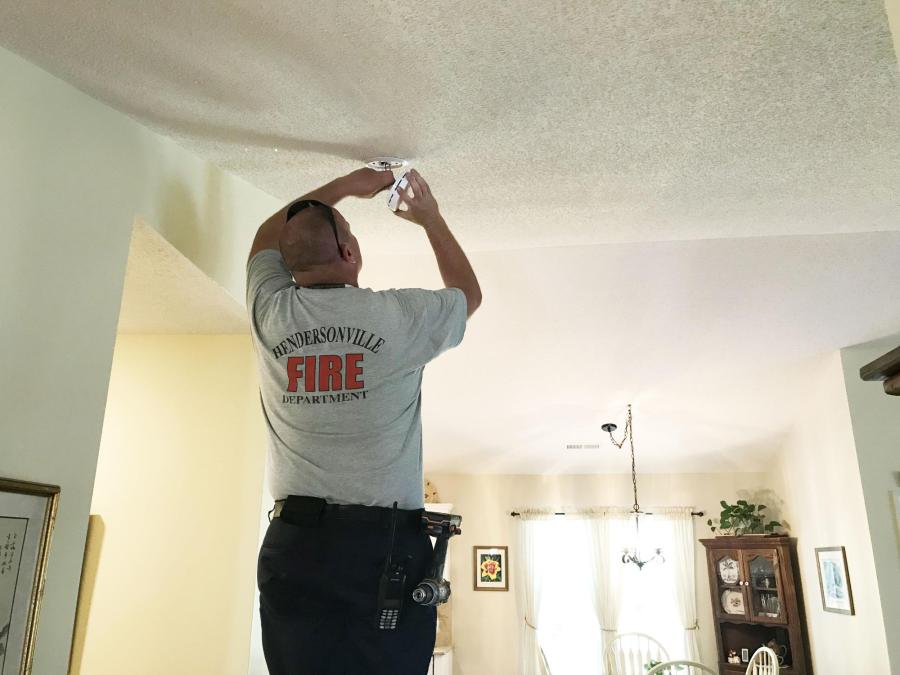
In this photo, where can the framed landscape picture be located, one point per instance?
(491, 568)
(834, 580)
(27, 516)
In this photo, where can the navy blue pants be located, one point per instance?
(318, 582)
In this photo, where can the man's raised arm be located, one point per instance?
(360, 183)
(456, 271)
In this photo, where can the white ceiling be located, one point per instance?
(715, 343)
(631, 175)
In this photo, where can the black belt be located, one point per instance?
(313, 510)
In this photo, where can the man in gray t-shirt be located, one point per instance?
(341, 366)
(340, 384)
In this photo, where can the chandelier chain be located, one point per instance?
(633, 554)
(629, 436)
(637, 507)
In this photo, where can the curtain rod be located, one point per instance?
(643, 513)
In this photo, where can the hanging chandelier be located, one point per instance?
(633, 554)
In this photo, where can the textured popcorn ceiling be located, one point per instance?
(574, 147)
(538, 123)
(165, 293)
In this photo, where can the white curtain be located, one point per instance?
(528, 572)
(681, 564)
(606, 566)
(607, 530)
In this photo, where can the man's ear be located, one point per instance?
(347, 254)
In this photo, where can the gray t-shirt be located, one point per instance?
(340, 383)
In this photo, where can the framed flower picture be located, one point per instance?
(834, 580)
(27, 516)
(491, 568)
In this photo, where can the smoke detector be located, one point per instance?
(387, 163)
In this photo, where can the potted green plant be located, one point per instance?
(742, 518)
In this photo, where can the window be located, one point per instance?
(569, 633)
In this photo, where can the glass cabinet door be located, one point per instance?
(731, 600)
(764, 588)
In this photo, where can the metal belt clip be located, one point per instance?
(275, 511)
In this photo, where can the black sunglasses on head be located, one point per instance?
(298, 206)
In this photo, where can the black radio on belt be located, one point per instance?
(390, 596)
(391, 586)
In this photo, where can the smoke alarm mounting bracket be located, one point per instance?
(387, 163)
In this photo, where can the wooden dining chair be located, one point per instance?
(763, 662)
(681, 667)
(544, 663)
(629, 653)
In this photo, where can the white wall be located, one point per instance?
(178, 486)
(482, 621)
(876, 431)
(824, 506)
(73, 176)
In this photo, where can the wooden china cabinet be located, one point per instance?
(754, 584)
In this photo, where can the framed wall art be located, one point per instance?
(895, 496)
(27, 516)
(491, 568)
(834, 580)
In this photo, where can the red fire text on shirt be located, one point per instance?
(325, 372)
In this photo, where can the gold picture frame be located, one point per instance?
(495, 577)
(27, 518)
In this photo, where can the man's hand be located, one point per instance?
(421, 207)
(366, 183)
(454, 266)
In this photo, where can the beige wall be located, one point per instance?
(824, 506)
(876, 431)
(179, 484)
(74, 174)
(485, 501)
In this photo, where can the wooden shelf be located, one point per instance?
(743, 631)
(769, 622)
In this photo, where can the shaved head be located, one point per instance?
(307, 241)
